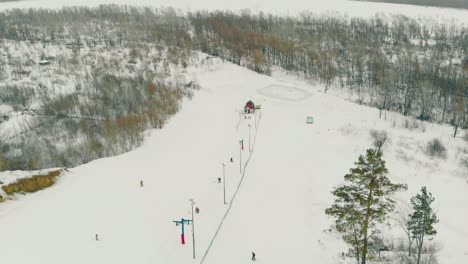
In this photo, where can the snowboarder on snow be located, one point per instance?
(197, 210)
(141, 183)
(97, 238)
(219, 180)
(253, 256)
(231, 159)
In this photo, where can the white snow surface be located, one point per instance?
(279, 7)
(278, 211)
(4, 108)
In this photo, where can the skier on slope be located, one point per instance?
(253, 256)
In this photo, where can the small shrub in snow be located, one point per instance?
(435, 148)
(403, 258)
(464, 165)
(464, 162)
(35, 183)
(3, 162)
(465, 137)
(411, 123)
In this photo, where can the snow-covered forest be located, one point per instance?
(57, 67)
(63, 93)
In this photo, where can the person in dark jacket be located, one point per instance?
(253, 256)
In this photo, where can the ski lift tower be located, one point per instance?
(182, 222)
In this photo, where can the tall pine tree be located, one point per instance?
(363, 202)
(422, 219)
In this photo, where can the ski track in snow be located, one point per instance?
(256, 125)
(283, 92)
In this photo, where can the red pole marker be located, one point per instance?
(182, 237)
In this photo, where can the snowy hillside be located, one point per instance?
(281, 194)
(291, 7)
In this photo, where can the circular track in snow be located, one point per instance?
(282, 92)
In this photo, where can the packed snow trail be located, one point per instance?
(272, 215)
(256, 125)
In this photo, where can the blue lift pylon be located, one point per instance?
(182, 222)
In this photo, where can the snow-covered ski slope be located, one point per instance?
(280, 7)
(279, 208)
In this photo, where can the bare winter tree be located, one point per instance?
(379, 137)
(402, 218)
